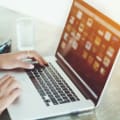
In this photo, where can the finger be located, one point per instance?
(12, 86)
(43, 60)
(4, 78)
(6, 83)
(35, 55)
(10, 99)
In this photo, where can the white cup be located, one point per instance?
(25, 29)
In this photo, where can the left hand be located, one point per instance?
(10, 89)
(16, 60)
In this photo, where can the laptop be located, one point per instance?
(76, 77)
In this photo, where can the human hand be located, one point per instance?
(9, 91)
(16, 60)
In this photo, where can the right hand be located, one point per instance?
(9, 91)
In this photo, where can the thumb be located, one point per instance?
(25, 65)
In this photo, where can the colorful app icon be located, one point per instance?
(99, 58)
(78, 36)
(79, 14)
(72, 20)
(90, 60)
(96, 66)
(81, 27)
(101, 32)
(88, 45)
(102, 71)
(107, 36)
(63, 45)
(66, 36)
(73, 33)
(110, 51)
(97, 40)
(89, 22)
(106, 61)
(85, 54)
(69, 27)
(74, 45)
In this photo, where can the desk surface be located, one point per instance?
(109, 108)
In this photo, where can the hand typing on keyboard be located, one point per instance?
(9, 87)
(17, 60)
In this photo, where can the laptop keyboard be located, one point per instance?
(51, 86)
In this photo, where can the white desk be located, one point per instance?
(47, 37)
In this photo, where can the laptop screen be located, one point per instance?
(89, 45)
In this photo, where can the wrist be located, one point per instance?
(2, 62)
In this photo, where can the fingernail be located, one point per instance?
(31, 66)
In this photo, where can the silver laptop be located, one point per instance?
(76, 77)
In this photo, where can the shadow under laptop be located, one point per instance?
(81, 116)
